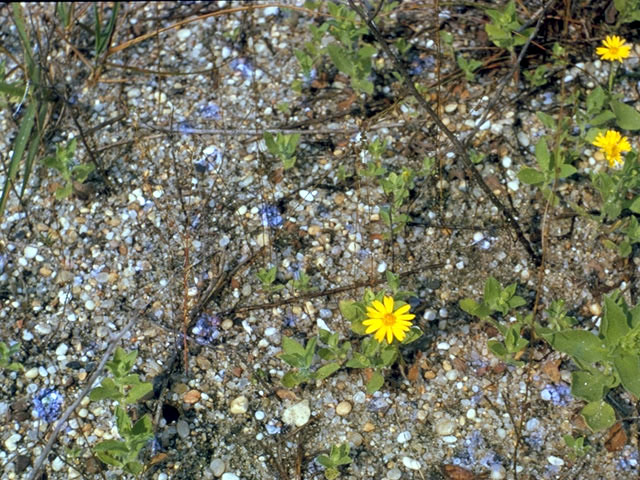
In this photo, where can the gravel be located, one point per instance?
(74, 272)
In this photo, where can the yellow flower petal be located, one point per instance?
(388, 304)
(614, 49)
(387, 323)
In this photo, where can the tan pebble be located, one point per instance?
(339, 198)
(82, 376)
(239, 405)
(180, 388)
(368, 427)
(45, 271)
(429, 375)
(451, 107)
(599, 156)
(446, 365)
(226, 324)
(595, 309)
(343, 408)
(314, 230)
(203, 362)
(192, 396)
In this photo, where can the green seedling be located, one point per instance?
(576, 445)
(339, 455)
(504, 28)
(6, 352)
(503, 301)
(267, 278)
(125, 388)
(283, 146)
(468, 67)
(300, 357)
(103, 36)
(62, 161)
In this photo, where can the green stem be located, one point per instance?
(612, 74)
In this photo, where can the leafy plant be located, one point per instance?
(468, 67)
(125, 388)
(504, 28)
(501, 300)
(6, 352)
(267, 278)
(577, 446)
(339, 455)
(283, 146)
(300, 357)
(605, 360)
(63, 163)
(103, 36)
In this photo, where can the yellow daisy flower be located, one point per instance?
(614, 49)
(612, 145)
(387, 323)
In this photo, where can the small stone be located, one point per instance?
(523, 139)
(12, 442)
(497, 472)
(451, 107)
(230, 476)
(471, 413)
(43, 329)
(57, 464)
(239, 405)
(192, 396)
(30, 252)
(343, 408)
(394, 474)
(89, 305)
(450, 439)
(314, 230)
(556, 461)
(62, 350)
(297, 414)
(595, 309)
(45, 271)
(259, 415)
(411, 463)
(22, 462)
(368, 427)
(183, 34)
(443, 346)
(217, 467)
(31, 373)
(183, 428)
(404, 437)
(445, 426)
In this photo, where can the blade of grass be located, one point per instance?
(19, 146)
(13, 90)
(34, 146)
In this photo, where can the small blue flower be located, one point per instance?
(206, 329)
(243, 66)
(628, 459)
(48, 404)
(270, 215)
(185, 127)
(559, 394)
(210, 111)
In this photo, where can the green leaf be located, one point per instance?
(628, 368)
(614, 322)
(15, 90)
(19, 146)
(566, 170)
(143, 427)
(531, 176)
(349, 310)
(627, 117)
(375, 382)
(81, 172)
(595, 100)
(326, 370)
(598, 415)
(290, 346)
(601, 119)
(138, 391)
(492, 291)
(497, 348)
(123, 421)
(542, 155)
(340, 58)
(292, 379)
(583, 346)
(590, 386)
(113, 446)
(107, 389)
(546, 120)
(294, 359)
(413, 334)
(358, 361)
